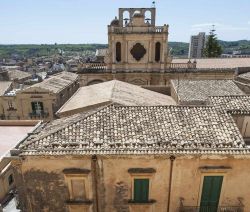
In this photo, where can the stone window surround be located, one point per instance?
(77, 174)
(141, 173)
(213, 171)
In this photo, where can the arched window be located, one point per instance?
(126, 18)
(118, 51)
(157, 51)
(148, 17)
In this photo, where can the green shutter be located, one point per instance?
(211, 193)
(33, 106)
(141, 190)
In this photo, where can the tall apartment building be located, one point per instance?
(197, 44)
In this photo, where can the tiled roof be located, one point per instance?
(245, 76)
(140, 130)
(4, 86)
(218, 63)
(197, 91)
(57, 82)
(16, 74)
(232, 104)
(114, 91)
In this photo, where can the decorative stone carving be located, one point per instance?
(138, 51)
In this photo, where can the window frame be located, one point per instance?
(84, 177)
(158, 52)
(139, 200)
(216, 172)
(148, 176)
(36, 104)
(118, 52)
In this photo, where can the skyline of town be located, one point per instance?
(60, 21)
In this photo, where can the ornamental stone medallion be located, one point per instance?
(138, 51)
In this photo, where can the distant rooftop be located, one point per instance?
(17, 74)
(218, 63)
(12, 132)
(101, 52)
(197, 91)
(57, 82)
(245, 77)
(4, 87)
(114, 91)
(232, 104)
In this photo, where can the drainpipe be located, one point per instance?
(94, 159)
(172, 158)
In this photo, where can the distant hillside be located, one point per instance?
(179, 49)
(33, 50)
(230, 46)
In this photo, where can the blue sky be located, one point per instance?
(82, 21)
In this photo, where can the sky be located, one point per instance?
(85, 21)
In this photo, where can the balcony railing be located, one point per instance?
(211, 209)
(93, 66)
(34, 115)
(151, 29)
(238, 208)
(181, 65)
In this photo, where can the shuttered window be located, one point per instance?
(37, 107)
(211, 193)
(141, 190)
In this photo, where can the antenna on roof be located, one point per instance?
(153, 4)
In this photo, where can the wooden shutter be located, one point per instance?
(211, 193)
(33, 106)
(141, 190)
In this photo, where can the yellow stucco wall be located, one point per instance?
(187, 178)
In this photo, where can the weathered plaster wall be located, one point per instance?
(45, 185)
(44, 181)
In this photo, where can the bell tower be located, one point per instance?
(136, 43)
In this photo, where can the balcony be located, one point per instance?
(211, 209)
(41, 115)
(188, 65)
(141, 30)
(239, 208)
(93, 66)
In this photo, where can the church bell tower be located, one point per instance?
(136, 43)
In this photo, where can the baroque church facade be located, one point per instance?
(138, 53)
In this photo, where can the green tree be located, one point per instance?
(212, 48)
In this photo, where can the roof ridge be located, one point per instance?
(113, 88)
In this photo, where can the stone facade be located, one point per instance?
(156, 81)
(40, 101)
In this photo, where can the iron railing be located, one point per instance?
(34, 115)
(211, 209)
